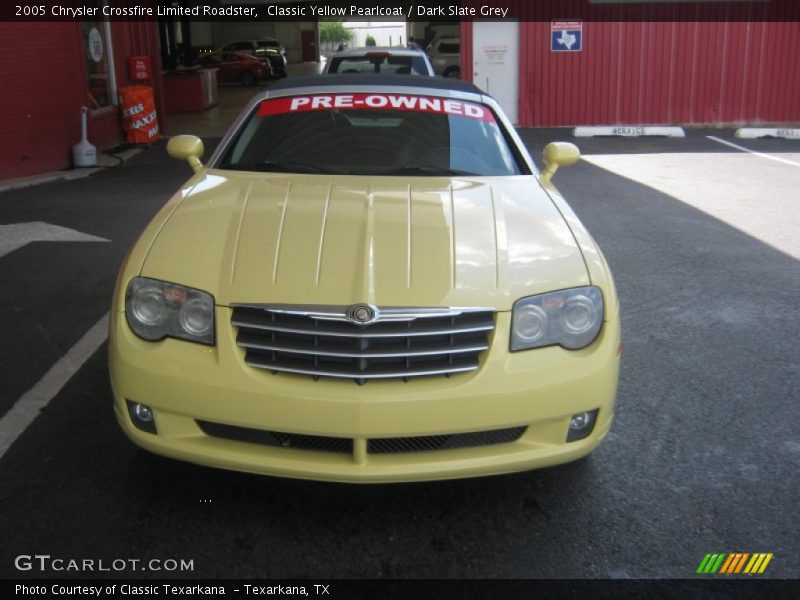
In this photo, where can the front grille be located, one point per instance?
(338, 445)
(277, 438)
(427, 443)
(402, 343)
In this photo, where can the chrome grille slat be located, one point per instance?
(385, 374)
(245, 340)
(339, 313)
(420, 331)
(431, 341)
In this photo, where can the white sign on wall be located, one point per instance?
(95, 45)
(496, 54)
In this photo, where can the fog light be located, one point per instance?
(581, 425)
(142, 416)
(142, 413)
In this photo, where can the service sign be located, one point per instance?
(401, 102)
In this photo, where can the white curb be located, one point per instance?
(758, 132)
(629, 131)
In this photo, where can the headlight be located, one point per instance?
(157, 309)
(570, 318)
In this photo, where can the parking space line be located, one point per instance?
(743, 149)
(31, 403)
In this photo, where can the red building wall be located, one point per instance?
(658, 63)
(45, 86)
(42, 90)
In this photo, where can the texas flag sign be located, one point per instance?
(566, 36)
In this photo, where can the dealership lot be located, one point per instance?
(703, 456)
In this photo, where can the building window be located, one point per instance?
(97, 51)
(450, 47)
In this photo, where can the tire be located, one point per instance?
(454, 72)
(248, 78)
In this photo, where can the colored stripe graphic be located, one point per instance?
(730, 566)
(754, 564)
(703, 563)
(737, 563)
(740, 564)
(717, 563)
(727, 564)
(764, 564)
(711, 563)
(733, 563)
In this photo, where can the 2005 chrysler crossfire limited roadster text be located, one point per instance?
(369, 281)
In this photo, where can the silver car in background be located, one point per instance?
(394, 60)
(445, 55)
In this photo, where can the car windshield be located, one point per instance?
(372, 134)
(379, 63)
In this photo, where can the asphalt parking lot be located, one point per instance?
(703, 456)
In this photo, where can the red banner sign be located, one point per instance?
(402, 102)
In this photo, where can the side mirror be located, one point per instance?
(558, 154)
(188, 148)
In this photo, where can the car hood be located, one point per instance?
(389, 241)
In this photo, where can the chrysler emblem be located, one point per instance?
(362, 314)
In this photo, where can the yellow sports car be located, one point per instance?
(368, 281)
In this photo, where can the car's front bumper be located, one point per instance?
(539, 389)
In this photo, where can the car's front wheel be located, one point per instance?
(248, 78)
(454, 72)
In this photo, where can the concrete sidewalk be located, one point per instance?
(105, 160)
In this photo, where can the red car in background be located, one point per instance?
(237, 67)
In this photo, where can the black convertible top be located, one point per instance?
(356, 80)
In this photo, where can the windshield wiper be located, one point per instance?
(411, 170)
(281, 167)
(288, 167)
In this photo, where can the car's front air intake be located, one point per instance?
(346, 445)
(363, 342)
